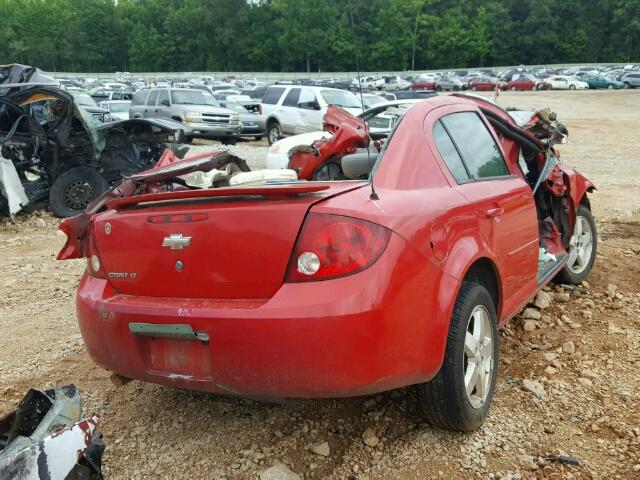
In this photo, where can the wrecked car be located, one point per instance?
(52, 151)
(46, 438)
(401, 274)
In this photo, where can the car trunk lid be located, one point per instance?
(224, 243)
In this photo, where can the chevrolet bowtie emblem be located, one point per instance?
(176, 241)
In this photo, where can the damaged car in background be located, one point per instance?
(52, 151)
(400, 273)
(45, 438)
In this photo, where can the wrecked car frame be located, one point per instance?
(61, 155)
(45, 438)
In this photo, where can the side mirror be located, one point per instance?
(312, 105)
(164, 102)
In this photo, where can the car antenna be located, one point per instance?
(374, 195)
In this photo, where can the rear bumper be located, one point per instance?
(246, 131)
(356, 335)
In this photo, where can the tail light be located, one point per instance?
(332, 246)
(94, 262)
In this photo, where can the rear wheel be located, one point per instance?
(274, 132)
(582, 248)
(513, 89)
(74, 189)
(459, 396)
(610, 87)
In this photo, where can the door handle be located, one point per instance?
(495, 212)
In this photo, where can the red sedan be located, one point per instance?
(429, 84)
(521, 83)
(486, 84)
(399, 275)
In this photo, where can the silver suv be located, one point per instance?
(631, 80)
(198, 111)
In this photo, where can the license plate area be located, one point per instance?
(174, 350)
(180, 357)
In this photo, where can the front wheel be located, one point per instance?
(513, 89)
(74, 189)
(572, 87)
(582, 248)
(610, 87)
(459, 396)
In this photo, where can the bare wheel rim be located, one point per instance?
(478, 356)
(581, 246)
(78, 194)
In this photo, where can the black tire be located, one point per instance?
(74, 189)
(572, 87)
(331, 170)
(575, 276)
(274, 132)
(444, 400)
(229, 140)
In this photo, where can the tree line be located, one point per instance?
(314, 35)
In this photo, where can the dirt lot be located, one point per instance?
(582, 354)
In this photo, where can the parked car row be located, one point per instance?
(231, 108)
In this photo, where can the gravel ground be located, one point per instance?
(569, 380)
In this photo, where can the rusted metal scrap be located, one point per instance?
(45, 438)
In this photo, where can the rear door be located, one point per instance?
(309, 111)
(163, 104)
(138, 103)
(502, 200)
(289, 111)
(150, 107)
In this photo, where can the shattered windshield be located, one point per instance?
(192, 97)
(340, 98)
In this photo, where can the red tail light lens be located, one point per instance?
(94, 262)
(332, 246)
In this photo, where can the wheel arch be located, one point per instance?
(271, 120)
(470, 260)
(485, 272)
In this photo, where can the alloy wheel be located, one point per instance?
(581, 246)
(478, 356)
